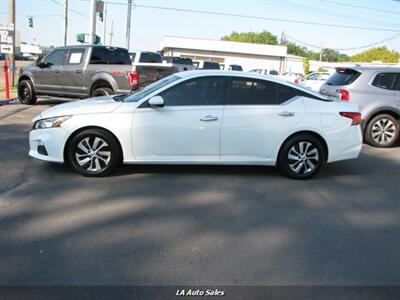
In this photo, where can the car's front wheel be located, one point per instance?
(301, 156)
(382, 131)
(93, 152)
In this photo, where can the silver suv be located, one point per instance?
(376, 91)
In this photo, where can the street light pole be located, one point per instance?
(128, 24)
(65, 21)
(105, 24)
(92, 22)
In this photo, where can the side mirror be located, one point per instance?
(156, 101)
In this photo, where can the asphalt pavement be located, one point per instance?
(195, 225)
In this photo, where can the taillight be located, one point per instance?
(133, 79)
(356, 117)
(296, 81)
(344, 94)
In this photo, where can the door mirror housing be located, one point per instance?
(156, 101)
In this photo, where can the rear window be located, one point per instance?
(210, 65)
(110, 56)
(182, 61)
(343, 77)
(385, 81)
(150, 57)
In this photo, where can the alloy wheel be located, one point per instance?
(303, 157)
(383, 131)
(93, 154)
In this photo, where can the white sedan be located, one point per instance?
(201, 117)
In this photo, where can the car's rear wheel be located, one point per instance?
(301, 156)
(382, 131)
(26, 93)
(102, 91)
(93, 152)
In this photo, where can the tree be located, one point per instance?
(334, 56)
(306, 66)
(377, 54)
(263, 37)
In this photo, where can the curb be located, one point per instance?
(9, 101)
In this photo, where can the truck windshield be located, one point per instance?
(151, 88)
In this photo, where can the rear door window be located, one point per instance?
(397, 85)
(343, 77)
(285, 93)
(247, 91)
(110, 56)
(150, 57)
(75, 56)
(385, 81)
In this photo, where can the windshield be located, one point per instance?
(151, 88)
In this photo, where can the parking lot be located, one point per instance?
(195, 225)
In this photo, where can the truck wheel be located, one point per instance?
(102, 91)
(26, 94)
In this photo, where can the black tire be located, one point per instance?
(86, 139)
(309, 160)
(376, 133)
(26, 93)
(102, 91)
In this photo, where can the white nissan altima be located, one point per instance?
(201, 117)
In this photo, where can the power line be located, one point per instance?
(357, 6)
(261, 18)
(345, 49)
(70, 9)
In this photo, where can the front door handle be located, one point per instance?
(78, 72)
(287, 114)
(209, 118)
(56, 71)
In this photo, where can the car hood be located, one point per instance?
(96, 105)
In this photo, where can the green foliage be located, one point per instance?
(263, 37)
(306, 66)
(377, 54)
(321, 69)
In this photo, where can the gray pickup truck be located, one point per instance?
(79, 72)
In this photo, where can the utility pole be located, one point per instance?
(111, 32)
(105, 24)
(11, 56)
(65, 21)
(92, 22)
(128, 24)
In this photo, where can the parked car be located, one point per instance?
(315, 80)
(201, 117)
(150, 67)
(265, 71)
(208, 65)
(376, 91)
(235, 68)
(296, 78)
(78, 72)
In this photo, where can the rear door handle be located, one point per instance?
(78, 72)
(56, 71)
(209, 118)
(287, 114)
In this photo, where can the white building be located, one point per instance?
(249, 56)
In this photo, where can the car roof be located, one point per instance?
(386, 68)
(253, 75)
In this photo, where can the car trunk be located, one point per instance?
(336, 85)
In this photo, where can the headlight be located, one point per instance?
(50, 122)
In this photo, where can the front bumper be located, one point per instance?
(50, 141)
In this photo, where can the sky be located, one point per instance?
(150, 25)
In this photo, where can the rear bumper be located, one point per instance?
(347, 146)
